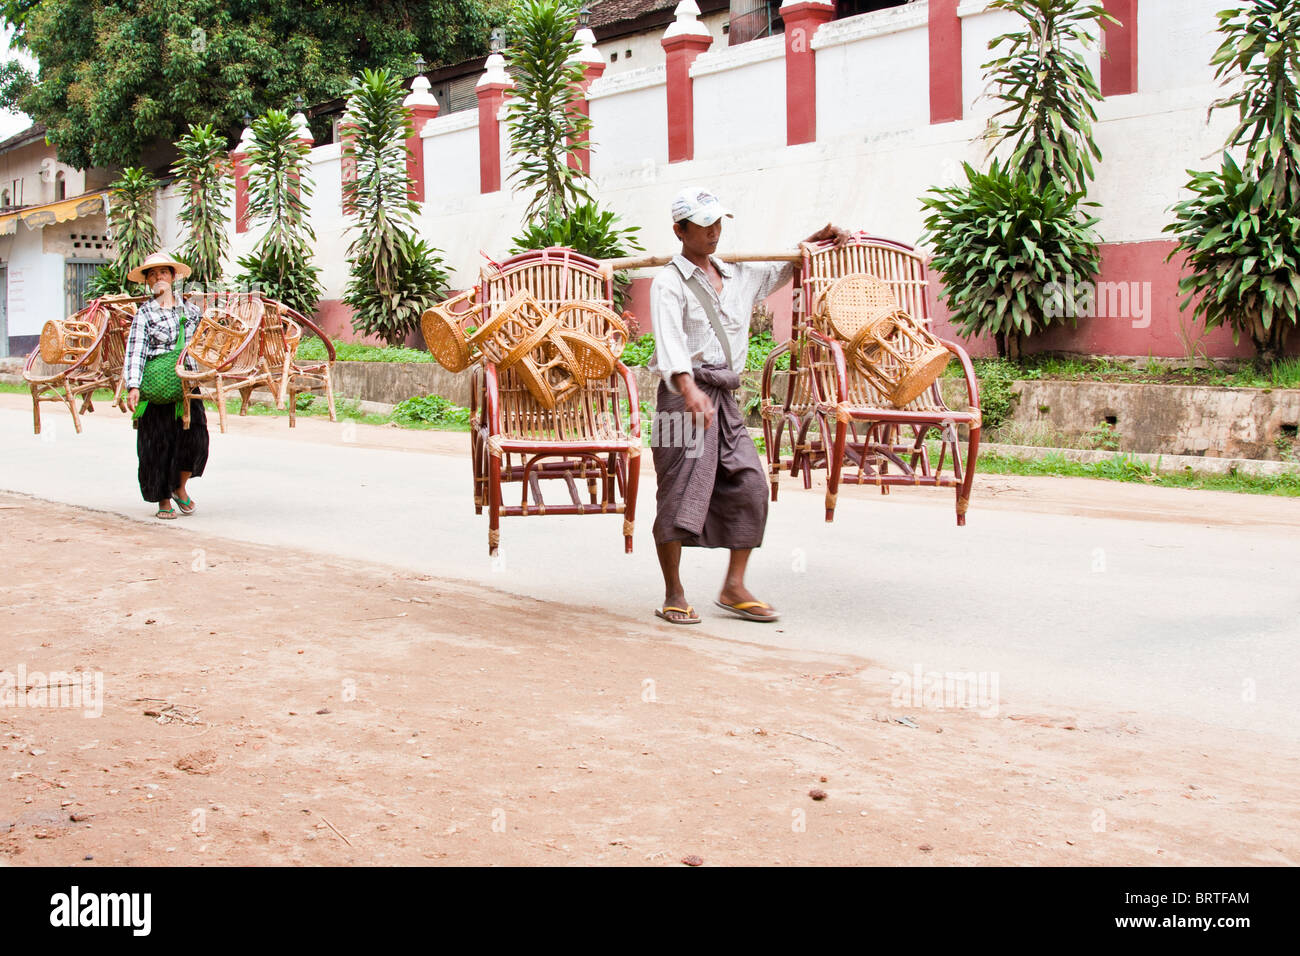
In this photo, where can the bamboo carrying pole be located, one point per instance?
(648, 262)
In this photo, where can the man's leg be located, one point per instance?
(670, 560)
(733, 587)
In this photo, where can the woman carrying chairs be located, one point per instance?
(169, 454)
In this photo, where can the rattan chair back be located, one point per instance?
(561, 390)
(898, 266)
(552, 276)
(218, 338)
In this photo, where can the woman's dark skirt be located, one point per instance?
(166, 448)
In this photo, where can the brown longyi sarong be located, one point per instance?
(712, 489)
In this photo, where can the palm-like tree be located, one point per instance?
(280, 263)
(395, 275)
(203, 168)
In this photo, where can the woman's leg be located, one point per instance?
(155, 445)
(192, 450)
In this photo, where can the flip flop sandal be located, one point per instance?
(691, 618)
(168, 515)
(743, 610)
(186, 505)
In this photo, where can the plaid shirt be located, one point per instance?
(684, 336)
(154, 331)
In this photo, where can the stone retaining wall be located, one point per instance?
(1158, 419)
(1169, 419)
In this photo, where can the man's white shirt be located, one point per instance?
(684, 336)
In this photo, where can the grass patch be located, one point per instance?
(1131, 469)
(1038, 434)
(312, 406)
(1282, 374)
(313, 349)
(1153, 371)
(7, 388)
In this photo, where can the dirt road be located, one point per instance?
(319, 711)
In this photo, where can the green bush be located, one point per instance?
(1103, 437)
(1007, 238)
(997, 398)
(1003, 243)
(433, 410)
(1240, 230)
(586, 229)
(638, 351)
(760, 347)
(1242, 247)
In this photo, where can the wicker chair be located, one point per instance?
(99, 366)
(304, 376)
(225, 354)
(593, 436)
(827, 415)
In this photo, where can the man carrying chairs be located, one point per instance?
(712, 489)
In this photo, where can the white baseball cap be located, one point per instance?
(699, 206)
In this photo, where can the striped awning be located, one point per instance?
(65, 210)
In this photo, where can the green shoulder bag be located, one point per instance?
(159, 383)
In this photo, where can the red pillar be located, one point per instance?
(490, 97)
(239, 164)
(1119, 61)
(581, 160)
(945, 62)
(802, 19)
(682, 51)
(420, 115)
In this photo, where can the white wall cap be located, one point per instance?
(420, 95)
(877, 23)
(588, 53)
(494, 71)
(687, 22)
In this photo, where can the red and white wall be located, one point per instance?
(848, 121)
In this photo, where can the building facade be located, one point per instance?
(53, 234)
(846, 113)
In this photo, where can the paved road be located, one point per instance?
(1190, 609)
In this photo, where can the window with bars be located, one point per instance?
(753, 19)
(76, 276)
